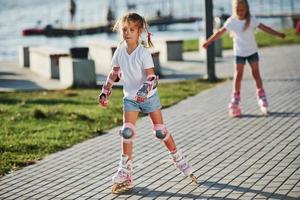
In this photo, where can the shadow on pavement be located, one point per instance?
(284, 114)
(272, 114)
(145, 192)
(235, 188)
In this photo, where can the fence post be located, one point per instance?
(210, 55)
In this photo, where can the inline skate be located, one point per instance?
(122, 180)
(234, 106)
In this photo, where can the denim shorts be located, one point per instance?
(251, 59)
(149, 105)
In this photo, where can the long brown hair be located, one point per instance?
(139, 20)
(245, 3)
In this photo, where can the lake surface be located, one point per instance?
(16, 15)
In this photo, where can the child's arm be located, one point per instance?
(214, 37)
(114, 76)
(271, 31)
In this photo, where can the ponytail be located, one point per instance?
(149, 42)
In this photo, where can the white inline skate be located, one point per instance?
(181, 164)
(122, 180)
(262, 101)
(234, 106)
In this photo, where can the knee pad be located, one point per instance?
(127, 132)
(161, 132)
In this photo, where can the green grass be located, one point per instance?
(34, 124)
(263, 39)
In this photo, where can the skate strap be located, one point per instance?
(125, 164)
(261, 93)
(236, 97)
(177, 156)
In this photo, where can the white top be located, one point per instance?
(244, 43)
(133, 68)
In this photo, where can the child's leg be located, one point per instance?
(238, 76)
(122, 180)
(162, 133)
(157, 119)
(129, 117)
(256, 75)
(234, 105)
(260, 92)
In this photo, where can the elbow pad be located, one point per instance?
(114, 76)
(152, 82)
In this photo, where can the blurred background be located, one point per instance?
(17, 15)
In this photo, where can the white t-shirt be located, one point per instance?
(133, 68)
(244, 43)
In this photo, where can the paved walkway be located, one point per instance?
(252, 157)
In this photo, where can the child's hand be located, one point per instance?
(104, 96)
(103, 100)
(205, 45)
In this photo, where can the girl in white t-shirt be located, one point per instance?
(135, 63)
(242, 25)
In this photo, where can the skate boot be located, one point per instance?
(122, 180)
(234, 106)
(181, 164)
(262, 101)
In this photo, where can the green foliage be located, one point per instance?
(191, 45)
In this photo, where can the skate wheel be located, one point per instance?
(194, 179)
(119, 188)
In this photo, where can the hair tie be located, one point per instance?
(149, 37)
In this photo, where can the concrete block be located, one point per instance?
(156, 62)
(77, 72)
(101, 52)
(45, 61)
(170, 49)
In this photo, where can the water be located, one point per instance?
(16, 15)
